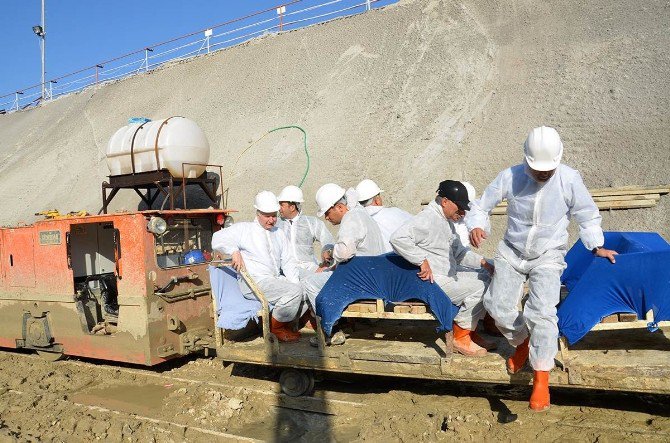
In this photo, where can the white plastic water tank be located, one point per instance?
(160, 144)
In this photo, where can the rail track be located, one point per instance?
(80, 399)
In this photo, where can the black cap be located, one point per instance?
(456, 192)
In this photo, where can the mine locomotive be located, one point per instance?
(129, 286)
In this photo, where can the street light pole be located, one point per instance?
(40, 32)
(44, 44)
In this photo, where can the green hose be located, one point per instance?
(304, 141)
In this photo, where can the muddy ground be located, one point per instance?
(200, 399)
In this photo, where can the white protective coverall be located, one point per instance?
(302, 231)
(429, 235)
(266, 256)
(534, 248)
(461, 229)
(358, 235)
(388, 219)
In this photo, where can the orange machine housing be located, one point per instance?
(48, 276)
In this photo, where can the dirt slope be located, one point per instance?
(408, 95)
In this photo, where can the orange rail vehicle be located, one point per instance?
(129, 287)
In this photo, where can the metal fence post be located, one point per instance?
(208, 35)
(280, 12)
(146, 58)
(96, 72)
(16, 100)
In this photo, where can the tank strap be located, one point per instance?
(132, 146)
(158, 134)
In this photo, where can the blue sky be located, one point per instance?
(81, 33)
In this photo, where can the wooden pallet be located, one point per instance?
(396, 311)
(613, 322)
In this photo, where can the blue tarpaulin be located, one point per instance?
(388, 277)
(637, 282)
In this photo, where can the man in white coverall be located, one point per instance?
(358, 235)
(263, 249)
(428, 240)
(387, 218)
(459, 226)
(302, 231)
(542, 195)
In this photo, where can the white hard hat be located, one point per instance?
(367, 189)
(472, 194)
(266, 201)
(543, 149)
(291, 194)
(327, 196)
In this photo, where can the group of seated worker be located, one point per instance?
(542, 196)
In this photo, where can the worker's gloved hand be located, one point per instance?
(327, 257)
(238, 263)
(607, 253)
(488, 266)
(425, 273)
(477, 237)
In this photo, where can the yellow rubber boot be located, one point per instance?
(517, 361)
(539, 399)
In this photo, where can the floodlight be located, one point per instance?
(157, 225)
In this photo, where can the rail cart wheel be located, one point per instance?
(50, 356)
(295, 382)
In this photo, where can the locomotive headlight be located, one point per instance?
(157, 226)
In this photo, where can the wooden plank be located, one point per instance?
(624, 204)
(388, 315)
(418, 309)
(606, 198)
(401, 309)
(627, 325)
(627, 317)
(624, 190)
(418, 370)
(391, 354)
(368, 307)
(610, 319)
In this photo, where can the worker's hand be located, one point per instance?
(238, 263)
(327, 256)
(607, 253)
(321, 268)
(488, 266)
(425, 273)
(477, 237)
